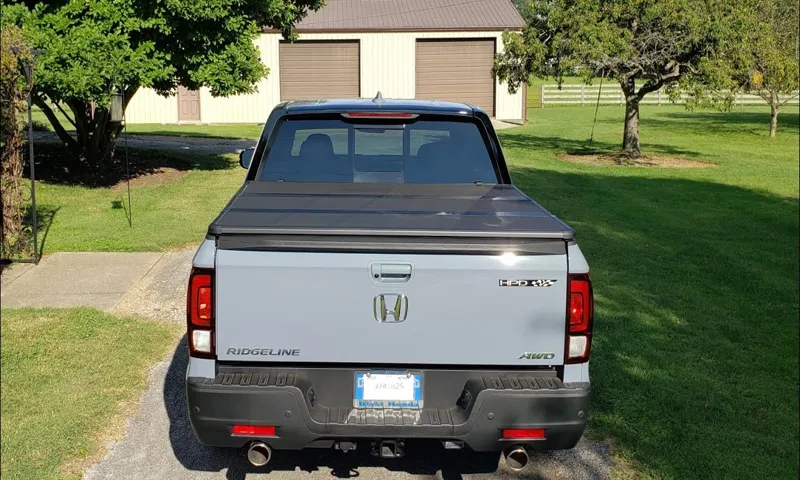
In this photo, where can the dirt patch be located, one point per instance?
(155, 177)
(145, 167)
(617, 160)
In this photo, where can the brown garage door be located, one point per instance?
(458, 70)
(312, 70)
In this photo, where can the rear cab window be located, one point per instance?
(424, 150)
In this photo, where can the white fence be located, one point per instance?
(611, 94)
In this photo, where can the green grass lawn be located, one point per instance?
(68, 376)
(164, 215)
(695, 364)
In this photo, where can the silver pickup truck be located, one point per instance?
(378, 279)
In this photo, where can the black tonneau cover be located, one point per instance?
(370, 212)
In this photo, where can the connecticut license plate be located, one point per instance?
(387, 390)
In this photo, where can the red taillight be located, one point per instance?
(200, 313)
(523, 433)
(580, 305)
(200, 303)
(580, 312)
(378, 115)
(254, 430)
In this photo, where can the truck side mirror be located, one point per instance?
(246, 156)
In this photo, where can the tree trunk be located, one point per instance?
(773, 119)
(92, 145)
(630, 138)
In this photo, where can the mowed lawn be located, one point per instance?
(69, 379)
(165, 213)
(695, 363)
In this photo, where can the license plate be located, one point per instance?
(387, 390)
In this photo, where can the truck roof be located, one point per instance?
(379, 103)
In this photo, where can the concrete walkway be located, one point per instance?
(146, 284)
(159, 443)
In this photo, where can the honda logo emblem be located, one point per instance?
(390, 308)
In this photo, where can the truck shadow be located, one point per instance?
(426, 460)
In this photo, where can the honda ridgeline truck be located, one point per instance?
(378, 278)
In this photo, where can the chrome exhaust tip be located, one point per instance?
(259, 454)
(517, 457)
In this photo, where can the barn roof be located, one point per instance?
(413, 15)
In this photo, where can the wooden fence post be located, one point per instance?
(541, 87)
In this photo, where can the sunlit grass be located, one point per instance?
(695, 364)
(68, 377)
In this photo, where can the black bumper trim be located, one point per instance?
(486, 405)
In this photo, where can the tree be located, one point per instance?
(772, 64)
(96, 48)
(13, 92)
(643, 44)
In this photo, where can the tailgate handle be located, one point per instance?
(391, 272)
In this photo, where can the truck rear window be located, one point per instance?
(332, 150)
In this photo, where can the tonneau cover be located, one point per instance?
(409, 210)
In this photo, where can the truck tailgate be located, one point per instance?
(392, 308)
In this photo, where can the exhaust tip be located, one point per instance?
(259, 454)
(517, 458)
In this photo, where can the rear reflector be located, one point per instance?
(523, 433)
(254, 430)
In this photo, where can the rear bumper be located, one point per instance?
(313, 408)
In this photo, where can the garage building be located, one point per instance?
(427, 49)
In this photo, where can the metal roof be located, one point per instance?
(413, 15)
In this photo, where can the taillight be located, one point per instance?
(387, 115)
(580, 316)
(200, 313)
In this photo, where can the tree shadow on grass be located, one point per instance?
(53, 165)
(24, 249)
(696, 333)
(529, 142)
(708, 121)
(713, 122)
